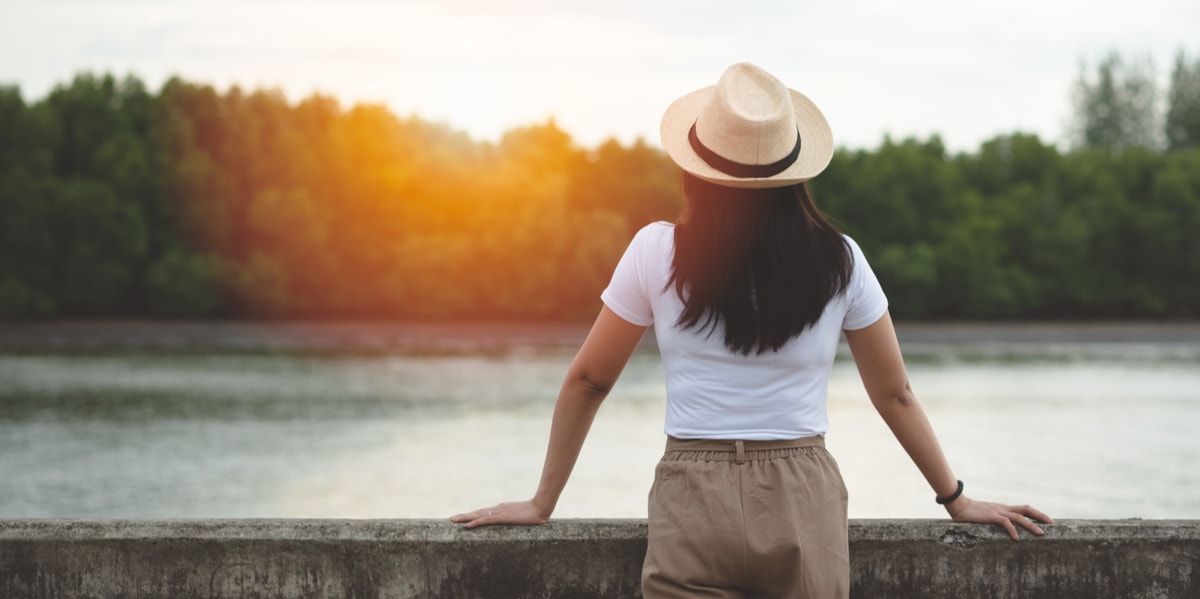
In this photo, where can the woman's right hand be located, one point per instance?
(514, 512)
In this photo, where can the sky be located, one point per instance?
(967, 71)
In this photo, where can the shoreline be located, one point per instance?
(68, 335)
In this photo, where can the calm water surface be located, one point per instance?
(1082, 430)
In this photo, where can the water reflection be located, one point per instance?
(1082, 430)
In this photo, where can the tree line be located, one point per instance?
(192, 203)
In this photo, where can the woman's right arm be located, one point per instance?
(591, 375)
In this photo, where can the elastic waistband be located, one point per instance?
(739, 446)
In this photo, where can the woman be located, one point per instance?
(749, 294)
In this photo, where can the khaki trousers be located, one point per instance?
(747, 519)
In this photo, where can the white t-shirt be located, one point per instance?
(713, 393)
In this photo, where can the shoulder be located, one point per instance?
(658, 228)
(860, 267)
(659, 235)
(856, 252)
(851, 243)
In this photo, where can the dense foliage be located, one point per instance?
(115, 201)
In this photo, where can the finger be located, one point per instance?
(1034, 528)
(471, 516)
(1006, 522)
(482, 518)
(1017, 518)
(465, 517)
(1036, 514)
(1027, 523)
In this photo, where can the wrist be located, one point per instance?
(544, 505)
(957, 507)
(946, 500)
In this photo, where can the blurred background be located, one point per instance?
(332, 258)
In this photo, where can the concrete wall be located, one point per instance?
(567, 558)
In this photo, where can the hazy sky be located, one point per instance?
(967, 70)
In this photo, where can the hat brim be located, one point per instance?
(816, 142)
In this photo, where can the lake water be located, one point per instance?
(1094, 426)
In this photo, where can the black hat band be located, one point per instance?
(738, 169)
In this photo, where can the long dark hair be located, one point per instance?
(761, 262)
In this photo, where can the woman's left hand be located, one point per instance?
(514, 512)
(965, 509)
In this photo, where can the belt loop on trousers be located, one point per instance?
(741, 451)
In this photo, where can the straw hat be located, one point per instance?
(748, 130)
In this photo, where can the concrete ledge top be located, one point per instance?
(442, 531)
(1134, 528)
(600, 559)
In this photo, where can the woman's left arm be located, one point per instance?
(880, 364)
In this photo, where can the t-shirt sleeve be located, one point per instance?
(865, 297)
(627, 294)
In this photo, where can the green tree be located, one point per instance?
(98, 243)
(1116, 107)
(184, 284)
(1182, 126)
(197, 203)
(1039, 240)
(1171, 232)
(899, 202)
(107, 207)
(28, 136)
(639, 184)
